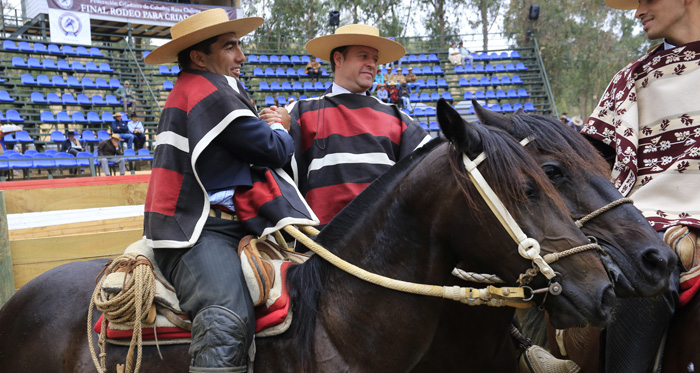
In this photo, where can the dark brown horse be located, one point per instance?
(415, 223)
(637, 261)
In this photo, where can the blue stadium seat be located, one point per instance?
(517, 106)
(63, 117)
(424, 97)
(516, 80)
(18, 62)
(82, 159)
(264, 86)
(426, 70)
(510, 67)
(414, 97)
(67, 49)
(511, 93)
(63, 65)
(489, 68)
(301, 72)
(507, 108)
(53, 48)
(269, 100)
(98, 100)
(83, 99)
(421, 83)
(522, 92)
(56, 81)
(514, 54)
(5, 97)
(494, 56)
(24, 46)
(79, 117)
(34, 63)
(275, 86)
(500, 68)
(96, 52)
(422, 58)
(24, 162)
(463, 82)
(91, 67)
(501, 94)
(495, 80)
(252, 58)
(479, 69)
(37, 98)
(165, 70)
(479, 95)
(285, 59)
(324, 73)
(490, 95)
(412, 58)
(68, 99)
(434, 96)
(484, 81)
(274, 59)
(433, 126)
(527, 107)
(52, 98)
(496, 108)
(258, 72)
(423, 125)
(49, 64)
(319, 86)
(89, 136)
(505, 80)
(73, 82)
(520, 66)
(286, 86)
(87, 83)
(305, 59)
(291, 72)
(433, 58)
(474, 81)
(308, 86)
(47, 117)
(297, 86)
(112, 99)
(442, 83)
(418, 112)
(175, 70)
(77, 66)
(281, 100)
(503, 56)
(327, 85)
(114, 83)
(447, 96)
(167, 85)
(430, 111)
(9, 45)
(295, 59)
(468, 95)
(65, 162)
(107, 117)
(144, 154)
(459, 69)
(430, 83)
(82, 51)
(30, 152)
(263, 59)
(469, 69)
(270, 72)
(102, 135)
(105, 68)
(93, 117)
(280, 72)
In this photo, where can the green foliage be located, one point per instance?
(583, 44)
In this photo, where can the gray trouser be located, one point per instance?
(209, 275)
(118, 161)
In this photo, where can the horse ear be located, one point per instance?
(520, 111)
(457, 130)
(491, 118)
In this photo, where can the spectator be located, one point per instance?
(466, 54)
(390, 78)
(383, 94)
(290, 101)
(577, 123)
(7, 129)
(393, 93)
(137, 130)
(126, 95)
(411, 79)
(378, 82)
(71, 145)
(454, 56)
(313, 69)
(122, 129)
(110, 148)
(405, 96)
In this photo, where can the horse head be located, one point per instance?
(638, 262)
(586, 294)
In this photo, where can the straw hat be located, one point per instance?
(115, 136)
(622, 4)
(389, 50)
(577, 121)
(197, 28)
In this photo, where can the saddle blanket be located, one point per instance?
(272, 318)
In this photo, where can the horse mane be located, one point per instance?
(503, 156)
(306, 282)
(579, 156)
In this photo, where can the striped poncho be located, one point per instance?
(343, 142)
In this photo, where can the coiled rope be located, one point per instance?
(128, 307)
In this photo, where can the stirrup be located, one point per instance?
(536, 359)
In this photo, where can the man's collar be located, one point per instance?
(338, 89)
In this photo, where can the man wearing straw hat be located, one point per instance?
(647, 124)
(346, 138)
(208, 137)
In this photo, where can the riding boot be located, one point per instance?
(219, 341)
(535, 359)
(635, 337)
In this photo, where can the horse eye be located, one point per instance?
(554, 173)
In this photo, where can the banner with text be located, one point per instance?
(69, 27)
(135, 10)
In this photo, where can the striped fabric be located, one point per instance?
(342, 143)
(650, 114)
(200, 107)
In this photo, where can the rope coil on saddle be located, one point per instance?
(130, 306)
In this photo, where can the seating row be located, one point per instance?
(425, 70)
(295, 86)
(430, 97)
(71, 81)
(497, 95)
(263, 58)
(11, 116)
(51, 160)
(484, 56)
(69, 99)
(165, 70)
(49, 64)
(494, 80)
(24, 46)
(280, 72)
(489, 68)
(78, 117)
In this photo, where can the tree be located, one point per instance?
(487, 11)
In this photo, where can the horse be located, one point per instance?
(637, 260)
(414, 223)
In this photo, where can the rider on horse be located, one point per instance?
(208, 136)
(647, 124)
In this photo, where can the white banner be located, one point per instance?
(69, 27)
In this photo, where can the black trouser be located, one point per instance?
(632, 340)
(209, 273)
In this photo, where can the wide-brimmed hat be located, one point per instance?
(197, 28)
(389, 50)
(115, 136)
(577, 121)
(622, 4)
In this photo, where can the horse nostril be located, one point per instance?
(657, 262)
